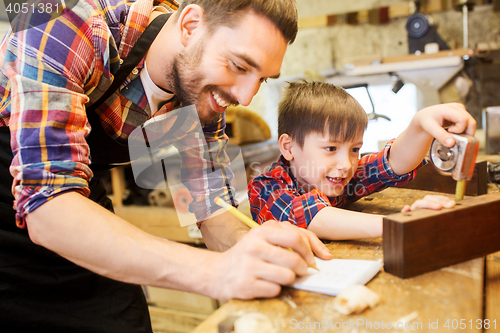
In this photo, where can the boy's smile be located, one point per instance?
(324, 164)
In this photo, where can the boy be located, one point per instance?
(321, 131)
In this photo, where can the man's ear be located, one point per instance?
(285, 142)
(189, 20)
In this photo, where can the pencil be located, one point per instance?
(245, 219)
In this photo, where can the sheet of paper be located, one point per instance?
(337, 274)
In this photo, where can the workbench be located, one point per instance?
(449, 299)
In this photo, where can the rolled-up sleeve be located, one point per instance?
(43, 76)
(374, 174)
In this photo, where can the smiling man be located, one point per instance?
(67, 264)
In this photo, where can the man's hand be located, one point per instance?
(260, 263)
(435, 202)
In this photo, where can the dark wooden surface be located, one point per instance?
(424, 240)
(429, 179)
(453, 292)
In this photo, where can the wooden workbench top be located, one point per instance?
(454, 292)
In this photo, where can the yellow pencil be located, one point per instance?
(460, 190)
(245, 219)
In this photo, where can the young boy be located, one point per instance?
(321, 131)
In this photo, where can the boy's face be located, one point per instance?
(325, 164)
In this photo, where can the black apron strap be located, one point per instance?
(41, 291)
(104, 149)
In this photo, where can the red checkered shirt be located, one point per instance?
(276, 194)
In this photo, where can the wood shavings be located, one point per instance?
(355, 299)
(254, 322)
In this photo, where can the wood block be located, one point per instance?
(425, 240)
(492, 290)
(172, 320)
(432, 6)
(159, 221)
(363, 16)
(313, 22)
(180, 300)
(429, 179)
(422, 56)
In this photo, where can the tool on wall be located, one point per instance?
(457, 161)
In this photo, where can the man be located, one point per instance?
(209, 53)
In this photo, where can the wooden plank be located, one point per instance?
(492, 292)
(425, 240)
(451, 292)
(390, 200)
(429, 179)
(422, 56)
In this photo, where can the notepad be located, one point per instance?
(337, 274)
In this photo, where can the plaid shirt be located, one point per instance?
(276, 194)
(50, 73)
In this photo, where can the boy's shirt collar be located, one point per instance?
(281, 169)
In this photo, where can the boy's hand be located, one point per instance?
(436, 202)
(433, 118)
(411, 146)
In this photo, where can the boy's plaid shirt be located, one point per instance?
(276, 194)
(49, 74)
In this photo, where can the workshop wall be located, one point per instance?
(323, 48)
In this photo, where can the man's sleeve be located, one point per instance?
(375, 174)
(206, 170)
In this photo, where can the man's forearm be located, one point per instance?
(222, 231)
(92, 237)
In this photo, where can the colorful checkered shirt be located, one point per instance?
(276, 194)
(50, 73)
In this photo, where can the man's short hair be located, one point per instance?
(283, 13)
(322, 108)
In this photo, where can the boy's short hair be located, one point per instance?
(320, 107)
(283, 13)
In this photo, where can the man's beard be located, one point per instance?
(186, 77)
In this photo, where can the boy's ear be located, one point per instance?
(189, 20)
(285, 142)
